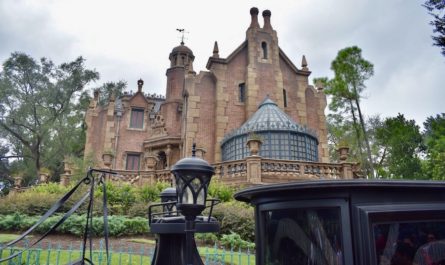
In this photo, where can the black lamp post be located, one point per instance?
(168, 198)
(192, 175)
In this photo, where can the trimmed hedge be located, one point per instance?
(75, 224)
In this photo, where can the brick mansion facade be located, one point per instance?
(255, 93)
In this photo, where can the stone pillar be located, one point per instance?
(150, 164)
(346, 171)
(253, 169)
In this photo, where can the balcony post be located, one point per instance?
(253, 169)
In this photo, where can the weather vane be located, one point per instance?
(182, 31)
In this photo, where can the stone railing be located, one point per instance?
(232, 172)
(252, 170)
(258, 170)
(143, 177)
(281, 170)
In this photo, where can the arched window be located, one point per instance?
(285, 98)
(264, 47)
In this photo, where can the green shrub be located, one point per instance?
(206, 238)
(148, 193)
(221, 191)
(234, 241)
(236, 217)
(75, 224)
(138, 210)
(51, 188)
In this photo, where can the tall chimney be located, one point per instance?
(254, 14)
(266, 16)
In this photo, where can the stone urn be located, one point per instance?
(343, 151)
(150, 161)
(18, 182)
(254, 146)
(43, 177)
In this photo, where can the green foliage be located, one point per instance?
(110, 89)
(436, 9)
(206, 238)
(401, 140)
(38, 107)
(75, 224)
(234, 241)
(434, 136)
(50, 188)
(236, 217)
(221, 191)
(351, 71)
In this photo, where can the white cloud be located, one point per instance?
(132, 39)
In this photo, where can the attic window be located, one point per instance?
(264, 47)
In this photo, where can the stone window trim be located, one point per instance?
(132, 161)
(136, 119)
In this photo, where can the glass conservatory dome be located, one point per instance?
(282, 137)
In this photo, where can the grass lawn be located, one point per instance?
(59, 257)
(5, 238)
(211, 253)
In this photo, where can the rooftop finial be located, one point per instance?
(140, 84)
(304, 63)
(182, 31)
(216, 50)
(194, 149)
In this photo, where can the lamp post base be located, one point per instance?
(171, 249)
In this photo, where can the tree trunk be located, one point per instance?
(357, 132)
(365, 136)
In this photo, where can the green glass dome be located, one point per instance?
(282, 137)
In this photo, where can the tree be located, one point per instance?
(346, 88)
(401, 142)
(434, 135)
(39, 112)
(436, 8)
(110, 88)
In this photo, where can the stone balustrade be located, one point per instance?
(253, 170)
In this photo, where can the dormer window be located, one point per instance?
(137, 119)
(264, 47)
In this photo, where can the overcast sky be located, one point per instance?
(128, 40)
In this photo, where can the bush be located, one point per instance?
(75, 224)
(206, 238)
(234, 241)
(236, 217)
(221, 191)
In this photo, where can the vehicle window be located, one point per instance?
(303, 236)
(410, 243)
